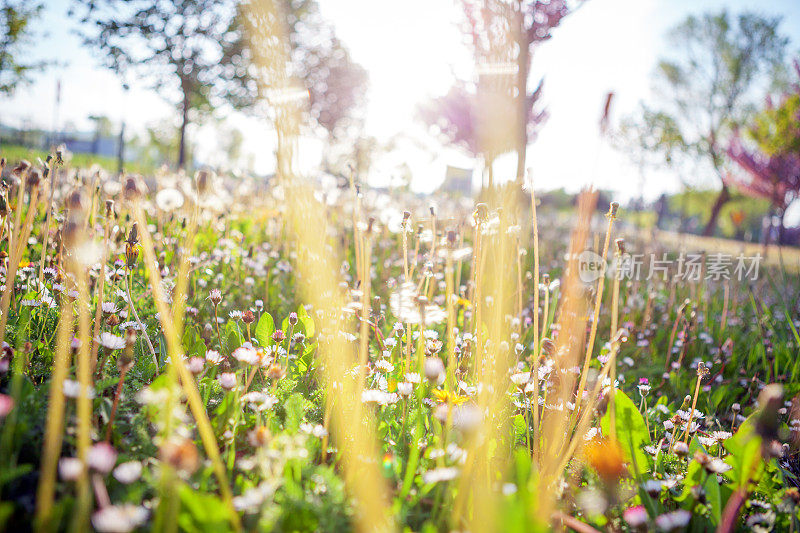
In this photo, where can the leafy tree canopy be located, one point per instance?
(16, 18)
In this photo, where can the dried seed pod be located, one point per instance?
(34, 177)
(451, 238)
(72, 232)
(131, 191)
(126, 358)
(21, 167)
(481, 213)
(276, 372)
(203, 179)
(75, 200)
(768, 420)
(548, 346)
(181, 454)
(133, 234)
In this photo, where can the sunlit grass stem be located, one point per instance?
(100, 292)
(480, 217)
(702, 371)
(46, 223)
(21, 237)
(537, 349)
(724, 320)
(614, 326)
(451, 318)
(611, 216)
(673, 333)
(186, 381)
(54, 425)
(84, 402)
(132, 306)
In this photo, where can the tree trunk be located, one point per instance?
(722, 198)
(184, 123)
(121, 149)
(523, 61)
(782, 228)
(766, 228)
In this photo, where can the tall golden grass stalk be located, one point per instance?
(13, 236)
(536, 340)
(726, 299)
(84, 402)
(611, 216)
(614, 324)
(182, 280)
(451, 317)
(54, 426)
(176, 355)
(557, 425)
(366, 303)
(53, 174)
(100, 292)
(354, 434)
(477, 307)
(16, 247)
(406, 279)
(476, 505)
(132, 307)
(673, 333)
(588, 412)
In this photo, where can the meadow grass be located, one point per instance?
(305, 359)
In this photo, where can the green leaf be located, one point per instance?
(713, 498)
(233, 335)
(202, 512)
(745, 455)
(694, 476)
(10, 473)
(631, 431)
(295, 408)
(307, 321)
(520, 426)
(304, 361)
(719, 394)
(188, 337)
(6, 510)
(264, 329)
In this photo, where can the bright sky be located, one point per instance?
(411, 50)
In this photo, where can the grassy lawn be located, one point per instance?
(14, 153)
